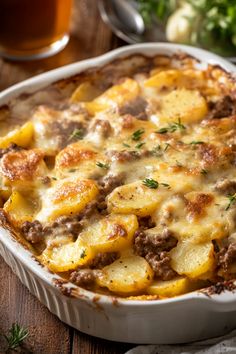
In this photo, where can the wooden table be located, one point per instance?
(90, 37)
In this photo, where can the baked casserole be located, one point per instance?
(122, 179)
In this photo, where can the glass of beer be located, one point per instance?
(32, 29)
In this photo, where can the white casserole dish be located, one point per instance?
(186, 318)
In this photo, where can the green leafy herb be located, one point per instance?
(77, 134)
(138, 146)
(54, 178)
(16, 336)
(137, 134)
(102, 165)
(165, 185)
(166, 147)
(126, 145)
(172, 128)
(204, 172)
(160, 8)
(196, 142)
(150, 183)
(232, 200)
(72, 170)
(157, 151)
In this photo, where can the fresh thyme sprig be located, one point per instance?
(77, 134)
(102, 165)
(139, 145)
(171, 128)
(153, 184)
(196, 142)
(137, 134)
(231, 201)
(16, 336)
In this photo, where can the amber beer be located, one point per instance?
(33, 28)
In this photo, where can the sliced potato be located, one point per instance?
(85, 92)
(127, 275)
(187, 105)
(165, 78)
(21, 136)
(116, 95)
(66, 197)
(193, 260)
(112, 233)
(66, 257)
(169, 288)
(135, 198)
(19, 208)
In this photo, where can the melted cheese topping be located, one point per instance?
(166, 132)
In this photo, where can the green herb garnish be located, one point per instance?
(16, 336)
(72, 170)
(77, 134)
(150, 183)
(196, 142)
(157, 151)
(165, 185)
(137, 134)
(54, 178)
(102, 165)
(172, 128)
(126, 145)
(232, 200)
(204, 172)
(138, 146)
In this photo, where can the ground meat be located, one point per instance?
(83, 277)
(110, 182)
(33, 231)
(160, 263)
(155, 250)
(226, 257)
(12, 147)
(63, 131)
(226, 186)
(144, 243)
(103, 259)
(123, 156)
(136, 108)
(225, 107)
(146, 222)
(101, 126)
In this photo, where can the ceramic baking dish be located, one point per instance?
(185, 318)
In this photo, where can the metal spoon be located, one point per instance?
(128, 16)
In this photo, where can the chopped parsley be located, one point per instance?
(196, 142)
(172, 128)
(126, 145)
(77, 134)
(137, 134)
(232, 200)
(138, 146)
(165, 185)
(105, 166)
(150, 183)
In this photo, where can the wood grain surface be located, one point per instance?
(89, 38)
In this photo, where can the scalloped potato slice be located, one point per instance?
(19, 208)
(21, 136)
(115, 96)
(187, 105)
(85, 92)
(112, 233)
(135, 198)
(192, 260)
(79, 158)
(177, 78)
(67, 257)
(66, 197)
(126, 276)
(169, 288)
